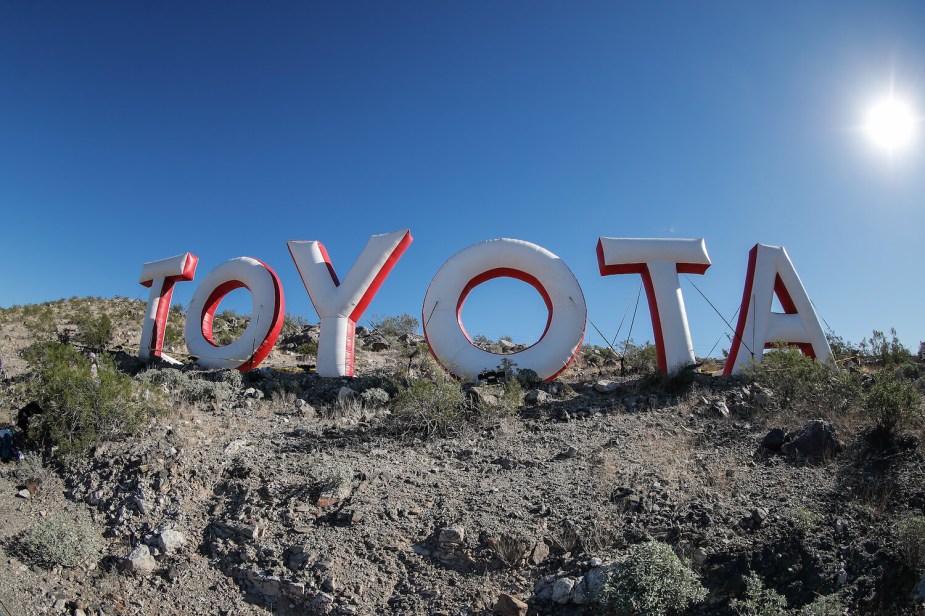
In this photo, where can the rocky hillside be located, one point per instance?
(794, 490)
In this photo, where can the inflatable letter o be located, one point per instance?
(265, 324)
(441, 315)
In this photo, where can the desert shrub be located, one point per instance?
(805, 521)
(59, 540)
(330, 475)
(40, 321)
(80, 410)
(512, 397)
(886, 351)
(395, 326)
(428, 408)
(227, 326)
(652, 580)
(758, 600)
(799, 381)
(841, 348)
(486, 344)
(375, 397)
(193, 386)
(377, 380)
(640, 359)
(292, 325)
(825, 605)
(893, 403)
(308, 348)
(909, 539)
(173, 333)
(31, 468)
(93, 332)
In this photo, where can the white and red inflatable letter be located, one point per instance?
(161, 276)
(659, 261)
(341, 304)
(266, 319)
(547, 273)
(771, 272)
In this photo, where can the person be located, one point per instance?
(94, 367)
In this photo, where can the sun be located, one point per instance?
(891, 124)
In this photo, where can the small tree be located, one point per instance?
(80, 410)
(94, 333)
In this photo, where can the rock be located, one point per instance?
(774, 439)
(24, 493)
(141, 505)
(759, 515)
(235, 446)
(411, 339)
(814, 443)
(590, 586)
(140, 562)
(484, 396)
(761, 396)
(254, 393)
(562, 590)
(376, 344)
(170, 541)
(606, 387)
(506, 605)
(542, 590)
(920, 590)
(332, 495)
(506, 346)
(536, 396)
(453, 535)
(295, 557)
(540, 553)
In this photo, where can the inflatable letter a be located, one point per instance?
(341, 304)
(161, 276)
(771, 272)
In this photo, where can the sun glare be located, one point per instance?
(891, 124)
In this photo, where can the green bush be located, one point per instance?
(195, 386)
(909, 539)
(640, 359)
(93, 332)
(59, 540)
(652, 581)
(798, 381)
(758, 600)
(893, 403)
(395, 326)
(886, 351)
(80, 410)
(427, 408)
(227, 326)
(825, 605)
(173, 333)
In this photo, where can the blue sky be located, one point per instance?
(131, 132)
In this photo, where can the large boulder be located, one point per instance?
(815, 443)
